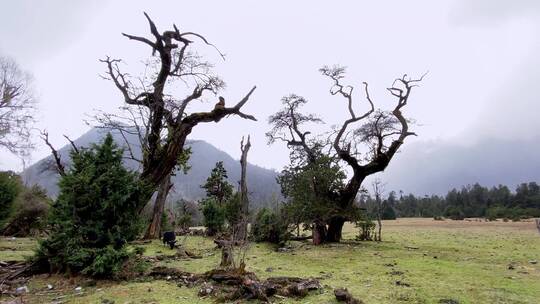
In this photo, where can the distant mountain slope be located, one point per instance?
(262, 183)
(435, 167)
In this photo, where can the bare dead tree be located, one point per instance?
(166, 123)
(129, 124)
(73, 146)
(364, 142)
(378, 190)
(17, 108)
(241, 233)
(287, 127)
(60, 168)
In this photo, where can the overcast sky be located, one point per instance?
(481, 56)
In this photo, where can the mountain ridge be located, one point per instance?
(262, 184)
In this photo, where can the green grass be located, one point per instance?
(16, 249)
(464, 261)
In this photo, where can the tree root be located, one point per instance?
(231, 284)
(247, 286)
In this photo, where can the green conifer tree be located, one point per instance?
(94, 215)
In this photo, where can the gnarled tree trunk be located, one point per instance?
(166, 115)
(319, 233)
(154, 229)
(335, 226)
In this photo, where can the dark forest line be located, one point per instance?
(469, 201)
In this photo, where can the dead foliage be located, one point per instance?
(12, 275)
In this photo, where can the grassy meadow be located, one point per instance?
(419, 261)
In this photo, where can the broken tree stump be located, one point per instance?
(226, 256)
(343, 295)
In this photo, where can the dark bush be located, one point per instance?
(214, 216)
(270, 227)
(30, 213)
(94, 215)
(139, 250)
(454, 213)
(493, 213)
(531, 212)
(388, 212)
(185, 221)
(10, 187)
(366, 230)
(107, 261)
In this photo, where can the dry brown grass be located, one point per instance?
(472, 223)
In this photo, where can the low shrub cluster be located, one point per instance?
(366, 230)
